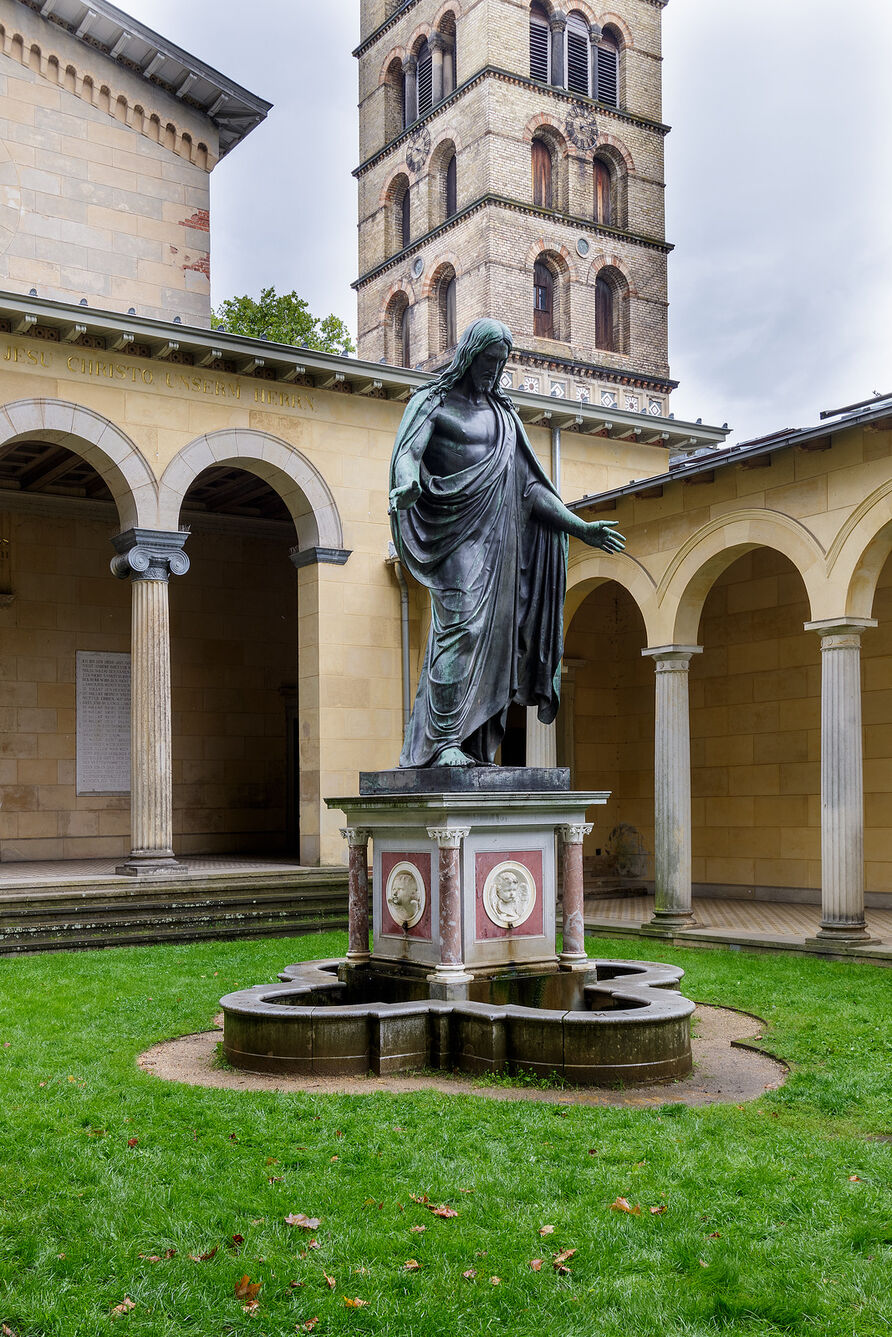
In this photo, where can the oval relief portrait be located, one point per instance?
(509, 894)
(405, 895)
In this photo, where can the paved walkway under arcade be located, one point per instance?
(744, 924)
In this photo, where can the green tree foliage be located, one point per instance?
(284, 319)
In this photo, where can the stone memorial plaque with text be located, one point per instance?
(103, 723)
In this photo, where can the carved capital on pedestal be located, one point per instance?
(594, 31)
(557, 21)
(410, 65)
(439, 42)
(149, 554)
(448, 837)
(356, 836)
(575, 833)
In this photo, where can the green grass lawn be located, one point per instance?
(778, 1214)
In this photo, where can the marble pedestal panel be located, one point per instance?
(465, 879)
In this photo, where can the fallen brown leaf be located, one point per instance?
(547, 1230)
(535, 1264)
(204, 1257)
(495, 1281)
(417, 1230)
(715, 1235)
(271, 1160)
(355, 1304)
(296, 1285)
(621, 1205)
(658, 1211)
(124, 1307)
(854, 1179)
(251, 1307)
(331, 1281)
(5, 1330)
(308, 1326)
(563, 1257)
(411, 1265)
(246, 1289)
(471, 1274)
(133, 1141)
(305, 1222)
(447, 1213)
(335, 1158)
(702, 1262)
(417, 1198)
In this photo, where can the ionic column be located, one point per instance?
(437, 44)
(672, 787)
(451, 969)
(573, 895)
(357, 839)
(148, 558)
(558, 24)
(842, 780)
(541, 741)
(410, 86)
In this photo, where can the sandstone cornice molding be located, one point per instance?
(149, 554)
(390, 22)
(519, 81)
(519, 207)
(593, 370)
(59, 72)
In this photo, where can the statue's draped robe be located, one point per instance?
(497, 580)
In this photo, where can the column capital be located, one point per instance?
(410, 65)
(846, 627)
(669, 658)
(439, 42)
(557, 21)
(149, 554)
(448, 837)
(594, 31)
(356, 836)
(575, 832)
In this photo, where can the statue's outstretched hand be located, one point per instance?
(404, 496)
(603, 534)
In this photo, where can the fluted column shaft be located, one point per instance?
(842, 781)
(541, 741)
(573, 895)
(148, 558)
(357, 894)
(672, 787)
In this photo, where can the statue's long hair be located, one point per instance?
(475, 339)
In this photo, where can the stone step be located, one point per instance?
(119, 912)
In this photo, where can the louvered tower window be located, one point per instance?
(540, 45)
(449, 321)
(578, 57)
(607, 70)
(405, 328)
(543, 301)
(425, 80)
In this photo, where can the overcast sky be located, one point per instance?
(779, 187)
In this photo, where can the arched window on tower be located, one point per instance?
(406, 336)
(540, 44)
(425, 79)
(578, 55)
(451, 187)
(603, 203)
(543, 195)
(543, 301)
(607, 68)
(447, 315)
(405, 219)
(604, 315)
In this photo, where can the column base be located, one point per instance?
(358, 958)
(151, 864)
(574, 961)
(843, 934)
(449, 986)
(662, 925)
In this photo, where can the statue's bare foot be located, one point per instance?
(453, 756)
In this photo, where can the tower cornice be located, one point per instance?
(516, 206)
(519, 81)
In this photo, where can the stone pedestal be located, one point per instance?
(148, 558)
(465, 872)
(842, 782)
(672, 786)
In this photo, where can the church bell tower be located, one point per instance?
(511, 165)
